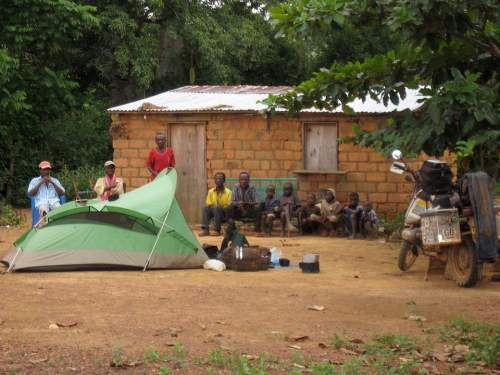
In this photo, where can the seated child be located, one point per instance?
(288, 206)
(331, 213)
(270, 208)
(232, 237)
(353, 215)
(309, 215)
(369, 221)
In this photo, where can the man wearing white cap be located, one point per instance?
(109, 187)
(45, 189)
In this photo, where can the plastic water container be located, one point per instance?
(275, 255)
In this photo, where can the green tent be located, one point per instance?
(142, 229)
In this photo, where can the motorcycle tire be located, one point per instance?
(407, 255)
(464, 265)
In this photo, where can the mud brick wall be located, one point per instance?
(366, 172)
(264, 149)
(267, 149)
(133, 138)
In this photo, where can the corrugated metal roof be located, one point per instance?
(242, 99)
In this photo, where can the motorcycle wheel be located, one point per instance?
(464, 264)
(407, 255)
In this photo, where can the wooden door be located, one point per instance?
(320, 146)
(188, 143)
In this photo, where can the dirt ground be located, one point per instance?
(360, 287)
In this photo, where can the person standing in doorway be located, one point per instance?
(160, 157)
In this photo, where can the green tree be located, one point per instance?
(36, 39)
(447, 49)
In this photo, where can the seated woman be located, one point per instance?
(109, 187)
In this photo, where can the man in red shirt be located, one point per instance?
(160, 157)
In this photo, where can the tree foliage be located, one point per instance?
(447, 49)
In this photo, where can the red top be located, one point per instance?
(158, 161)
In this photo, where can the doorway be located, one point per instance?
(188, 142)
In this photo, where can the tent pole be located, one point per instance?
(11, 265)
(156, 242)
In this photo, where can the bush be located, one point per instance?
(8, 216)
(82, 178)
(393, 226)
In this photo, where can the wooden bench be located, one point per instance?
(261, 185)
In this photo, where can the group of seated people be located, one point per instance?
(47, 190)
(327, 217)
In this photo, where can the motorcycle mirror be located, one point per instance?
(397, 154)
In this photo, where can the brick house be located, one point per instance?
(220, 128)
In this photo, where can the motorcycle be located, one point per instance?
(449, 223)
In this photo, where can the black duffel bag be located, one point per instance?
(435, 177)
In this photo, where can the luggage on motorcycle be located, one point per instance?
(249, 258)
(435, 177)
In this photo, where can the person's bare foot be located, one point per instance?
(204, 233)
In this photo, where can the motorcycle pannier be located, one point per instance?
(435, 177)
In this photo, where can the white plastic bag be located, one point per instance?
(214, 265)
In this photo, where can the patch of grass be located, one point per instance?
(351, 367)
(117, 356)
(482, 339)
(390, 343)
(338, 342)
(164, 371)
(323, 368)
(152, 355)
(177, 356)
(240, 365)
(217, 357)
(198, 361)
(384, 355)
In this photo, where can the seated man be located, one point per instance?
(109, 187)
(218, 198)
(288, 206)
(369, 221)
(45, 189)
(244, 202)
(331, 213)
(270, 208)
(353, 215)
(309, 215)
